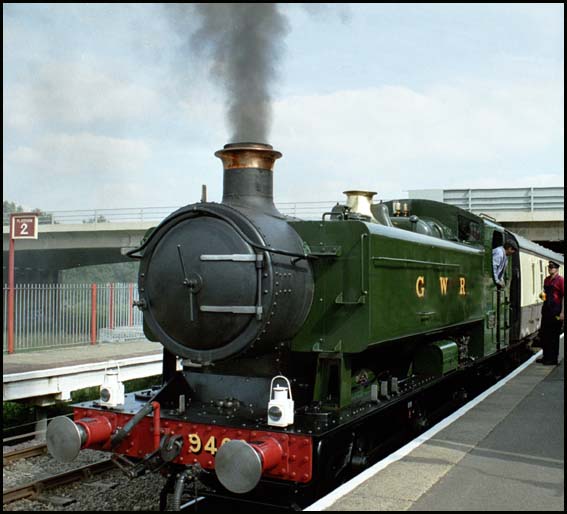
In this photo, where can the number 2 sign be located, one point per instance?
(24, 226)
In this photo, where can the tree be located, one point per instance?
(10, 207)
(99, 219)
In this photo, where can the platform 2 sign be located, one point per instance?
(24, 226)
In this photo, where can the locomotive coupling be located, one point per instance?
(239, 465)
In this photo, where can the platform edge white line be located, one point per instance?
(347, 487)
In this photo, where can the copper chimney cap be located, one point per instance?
(248, 155)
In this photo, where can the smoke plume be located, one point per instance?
(245, 44)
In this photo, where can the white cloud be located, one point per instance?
(76, 94)
(64, 171)
(397, 138)
(78, 154)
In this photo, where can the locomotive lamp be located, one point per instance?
(111, 390)
(280, 406)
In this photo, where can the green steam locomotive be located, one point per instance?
(290, 345)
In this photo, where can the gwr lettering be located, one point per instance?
(443, 286)
(420, 287)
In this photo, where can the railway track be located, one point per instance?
(24, 453)
(34, 489)
(142, 493)
(33, 481)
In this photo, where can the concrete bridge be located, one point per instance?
(60, 247)
(69, 239)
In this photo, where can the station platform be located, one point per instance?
(53, 374)
(74, 355)
(504, 453)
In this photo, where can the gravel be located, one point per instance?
(107, 491)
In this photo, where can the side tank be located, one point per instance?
(383, 283)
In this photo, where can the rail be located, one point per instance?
(305, 210)
(35, 488)
(57, 315)
(476, 200)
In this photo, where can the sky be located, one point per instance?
(116, 106)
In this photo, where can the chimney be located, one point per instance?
(248, 180)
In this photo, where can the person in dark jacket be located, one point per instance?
(551, 315)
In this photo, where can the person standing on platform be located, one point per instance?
(500, 256)
(551, 315)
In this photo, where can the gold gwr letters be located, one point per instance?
(420, 287)
(443, 286)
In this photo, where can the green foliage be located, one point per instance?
(44, 218)
(16, 411)
(10, 207)
(99, 219)
(120, 272)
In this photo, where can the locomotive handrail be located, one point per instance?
(363, 289)
(414, 261)
(233, 225)
(363, 282)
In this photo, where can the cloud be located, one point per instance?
(75, 158)
(76, 94)
(462, 123)
(402, 138)
(74, 171)
(78, 154)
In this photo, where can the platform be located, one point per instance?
(505, 453)
(47, 375)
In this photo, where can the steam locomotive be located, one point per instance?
(289, 345)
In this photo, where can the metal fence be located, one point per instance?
(55, 315)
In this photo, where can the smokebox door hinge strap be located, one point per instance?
(235, 257)
(233, 309)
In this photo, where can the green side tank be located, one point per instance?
(376, 283)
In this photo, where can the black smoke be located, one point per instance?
(245, 43)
